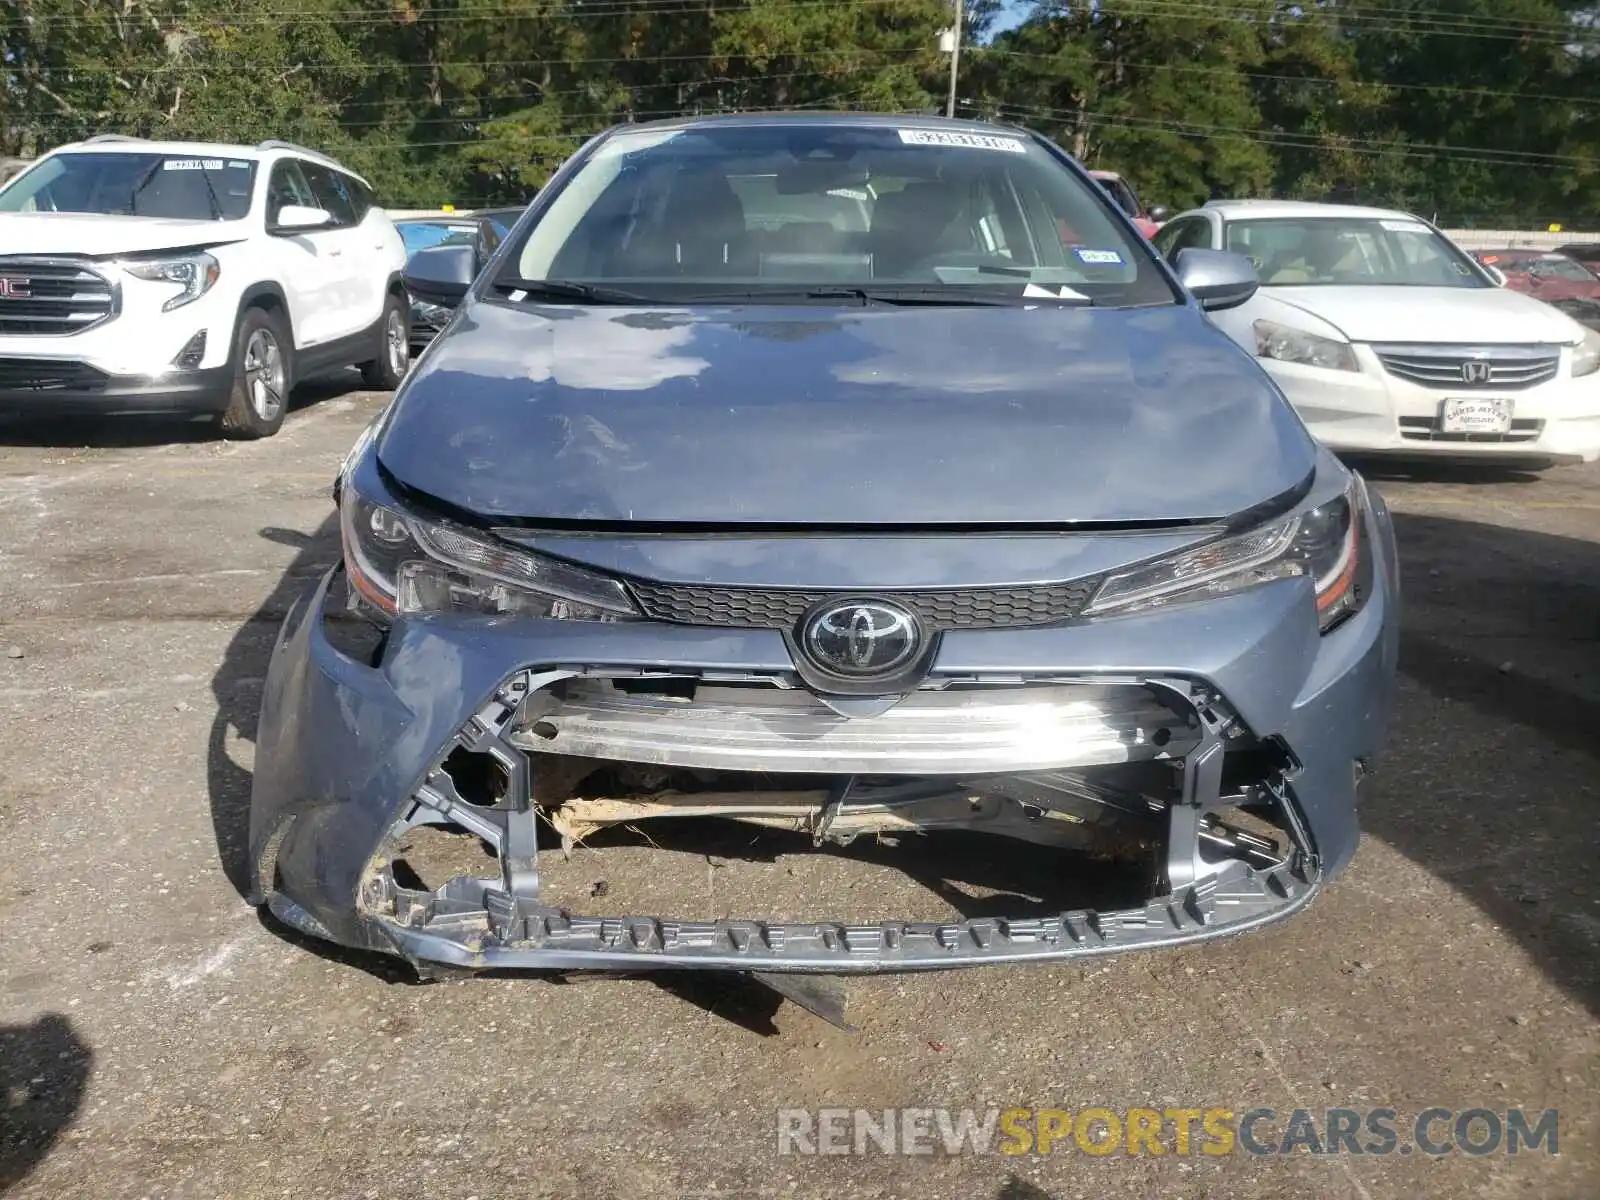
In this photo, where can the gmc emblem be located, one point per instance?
(14, 288)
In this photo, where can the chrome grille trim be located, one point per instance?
(66, 296)
(1440, 365)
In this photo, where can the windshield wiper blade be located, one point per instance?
(960, 296)
(570, 290)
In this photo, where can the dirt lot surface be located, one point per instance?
(157, 1038)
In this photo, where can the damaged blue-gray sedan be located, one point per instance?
(867, 483)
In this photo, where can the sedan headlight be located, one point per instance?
(1323, 542)
(400, 563)
(1586, 354)
(1308, 349)
(192, 273)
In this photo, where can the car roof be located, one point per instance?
(866, 120)
(114, 142)
(1266, 209)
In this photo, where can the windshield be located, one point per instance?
(134, 184)
(766, 210)
(424, 235)
(1549, 266)
(1351, 251)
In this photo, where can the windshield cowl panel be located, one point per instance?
(846, 212)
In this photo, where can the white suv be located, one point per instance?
(140, 276)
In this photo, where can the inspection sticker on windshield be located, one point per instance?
(1099, 258)
(1404, 226)
(971, 141)
(192, 164)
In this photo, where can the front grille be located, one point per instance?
(1426, 429)
(48, 375)
(53, 296)
(1510, 367)
(975, 608)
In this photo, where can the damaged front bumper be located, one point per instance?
(1237, 768)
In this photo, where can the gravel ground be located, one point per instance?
(157, 1038)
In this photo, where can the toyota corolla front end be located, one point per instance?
(961, 538)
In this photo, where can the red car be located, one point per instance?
(1128, 200)
(1560, 281)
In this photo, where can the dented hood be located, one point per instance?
(798, 416)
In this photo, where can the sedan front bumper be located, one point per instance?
(1235, 705)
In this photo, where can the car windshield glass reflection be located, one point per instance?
(833, 213)
(1351, 251)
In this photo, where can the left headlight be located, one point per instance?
(1325, 543)
(1284, 344)
(400, 563)
(192, 273)
(1586, 354)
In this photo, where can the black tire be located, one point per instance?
(384, 373)
(263, 374)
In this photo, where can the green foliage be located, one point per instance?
(1476, 110)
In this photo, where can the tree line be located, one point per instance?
(1479, 112)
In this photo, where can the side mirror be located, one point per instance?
(298, 218)
(1160, 213)
(1216, 278)
(1499, 277)
(442, 274)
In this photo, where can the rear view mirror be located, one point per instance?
(1160, 213)
(1216, 278)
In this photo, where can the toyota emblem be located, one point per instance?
(861, 638)
(1475, 371)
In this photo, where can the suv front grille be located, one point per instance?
(53, 296)
(1510, 367)
(976, 608)
(48, 375)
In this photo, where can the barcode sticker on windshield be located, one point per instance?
(1404, 226)
(970, 141)
(192, 164)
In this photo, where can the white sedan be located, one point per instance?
(1388, 339)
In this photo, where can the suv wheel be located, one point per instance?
(261, 376)
(385, 372)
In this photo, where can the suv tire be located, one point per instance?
(384, 373)
(263, 373)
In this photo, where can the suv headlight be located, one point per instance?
(1325, 543)
(400, 563)
(192, 273)
(1297, 346)
(1586, 354)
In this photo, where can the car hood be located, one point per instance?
(1428, 314)
(97, 235)
(768, 416)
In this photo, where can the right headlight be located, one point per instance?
(1586, 354)
(401, 563)
(1308, 349)
(1325, 543)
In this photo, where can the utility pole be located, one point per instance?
(955, 54)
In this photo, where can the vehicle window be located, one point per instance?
(1120, 191)
(1555, 267)
(1191, 232)
(360, 196)
(332, 190)
(424, 235)
(772, 207)
(1350, 251)
(133, 184)
(285, 186)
